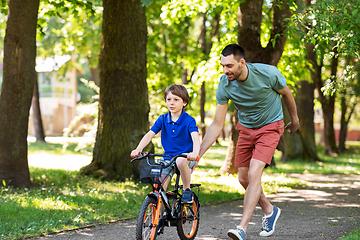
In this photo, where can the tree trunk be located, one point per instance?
(123, 103)
(17, 90)
(95, 73)
(305, 108)
(249, 33)
(327, 103)
(328, 107)
(202, 110)
(228, 166)
(293, 145)
(344, 120)
(38, 124)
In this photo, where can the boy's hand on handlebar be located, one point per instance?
(135, 153)
(193, 157)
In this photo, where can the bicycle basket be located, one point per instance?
(149, 174)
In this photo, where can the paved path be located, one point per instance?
(326, 209)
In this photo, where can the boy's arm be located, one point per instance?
(196, 148)
(196, 144)
(143, 143)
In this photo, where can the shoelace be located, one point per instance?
(240, 229)
(265, 223)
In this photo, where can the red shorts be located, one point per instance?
(257, 143)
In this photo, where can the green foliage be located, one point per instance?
(331, 21)
(346, 163)
(354, 235)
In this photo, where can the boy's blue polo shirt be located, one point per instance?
(176, 136)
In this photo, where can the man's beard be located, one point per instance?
(235, 77)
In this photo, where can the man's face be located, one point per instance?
(231, 67)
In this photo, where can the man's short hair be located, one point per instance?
(234, 49)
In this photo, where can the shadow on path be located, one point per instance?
(327, 208)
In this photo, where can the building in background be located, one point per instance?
(58, 95)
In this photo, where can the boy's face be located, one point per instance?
(174, 103)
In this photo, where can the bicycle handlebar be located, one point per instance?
(143, 155)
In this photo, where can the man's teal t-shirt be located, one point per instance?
(256, 99)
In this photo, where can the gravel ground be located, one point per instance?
(327, 208)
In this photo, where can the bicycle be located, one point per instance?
(185, 217)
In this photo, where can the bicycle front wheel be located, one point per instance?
(145, 229)
(188, 223)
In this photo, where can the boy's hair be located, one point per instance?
(178, 90)
(234, 49)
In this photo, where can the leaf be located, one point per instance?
(146, 2)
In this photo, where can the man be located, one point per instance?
(255, 90)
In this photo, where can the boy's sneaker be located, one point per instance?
(160, 227)
(237, 234)
(187, 196)
(269, 223)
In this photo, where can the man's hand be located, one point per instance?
(292, 126)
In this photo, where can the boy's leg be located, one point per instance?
(185, 171)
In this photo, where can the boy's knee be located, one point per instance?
(181, 162)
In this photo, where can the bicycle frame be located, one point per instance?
(181, 215)
(159, 194)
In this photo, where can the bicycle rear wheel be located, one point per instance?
(188, 223)
(145, 220)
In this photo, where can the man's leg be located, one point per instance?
(253, 192)
(263, 201)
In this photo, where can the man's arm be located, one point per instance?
(290, 104)
(214, 129)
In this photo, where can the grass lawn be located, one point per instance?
(62, 199)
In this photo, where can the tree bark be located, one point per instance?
(292, 147)
(344, 120)
(327, 103)
(123, 103)
(202, 110)
(17, 90)
(228, 166)
(35, 103)
(305, 107)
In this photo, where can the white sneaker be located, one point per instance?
(269, 223)
(237, 234)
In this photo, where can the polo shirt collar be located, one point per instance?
(180, 119)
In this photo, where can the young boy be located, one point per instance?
(179, 134)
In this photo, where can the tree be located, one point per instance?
(349, 91)
(334, 21)
(17, 90)
(123, 103)
(35, 103)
